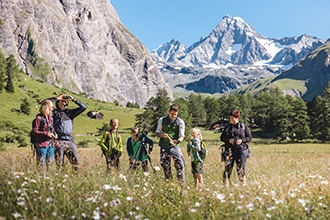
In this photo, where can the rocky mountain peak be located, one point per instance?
(81, 46)
(232, 55)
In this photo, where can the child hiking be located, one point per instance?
(193, 149)
(111, 145)
(138, 147)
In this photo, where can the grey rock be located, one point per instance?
(84, 44)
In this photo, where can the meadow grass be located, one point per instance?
(284, 182)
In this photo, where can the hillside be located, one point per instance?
(34, 90)
(308, 78)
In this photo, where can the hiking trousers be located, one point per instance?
(69, 149)
(239, 156)
(168, 152)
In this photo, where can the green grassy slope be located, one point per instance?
(34, 90)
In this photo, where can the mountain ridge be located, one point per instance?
(233, 53)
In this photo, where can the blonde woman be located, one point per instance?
(43, 131)
(193, 148)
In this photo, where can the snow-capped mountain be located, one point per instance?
(232, 50)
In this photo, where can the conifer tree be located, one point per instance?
(11, 71)
(25, 106)
(2, 70)
(155, 108)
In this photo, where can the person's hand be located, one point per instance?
(51, 135)
(64, 97)
(165, 136)
(232, 141)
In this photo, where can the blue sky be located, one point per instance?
(155, 22)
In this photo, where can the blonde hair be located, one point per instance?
(45, 104)
(198, 132)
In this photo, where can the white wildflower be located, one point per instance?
(311, 176)
(140, 216)
(106, 187)
(302, 202)
(197, 204)
(49, 200)
(16, 215)
(325, 182)
(324, 206)
(268, 215)
(250, 206)
(293, 195)
(128, 198)
(280, 201)
(193, 210)
(21, 203)
(157, 168)
(221, 197)
(123, 177)
(96, 215)
(273, 192)
(271, 208)
(116, 188)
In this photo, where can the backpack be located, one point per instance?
(203, 151)
(33, 138)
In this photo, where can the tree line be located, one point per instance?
(272, 112)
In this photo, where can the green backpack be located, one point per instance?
(203, 151)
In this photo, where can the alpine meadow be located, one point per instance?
(285, 180)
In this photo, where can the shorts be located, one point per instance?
(197, 167)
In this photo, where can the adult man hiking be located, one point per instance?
(170, 130)
(63, 124)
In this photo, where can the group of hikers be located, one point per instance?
(53, 129)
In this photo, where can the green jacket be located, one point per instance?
(111, 142)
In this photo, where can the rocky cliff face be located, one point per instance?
(81, 46)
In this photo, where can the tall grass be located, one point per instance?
(284, 182)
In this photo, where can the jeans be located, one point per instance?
(45, 155)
